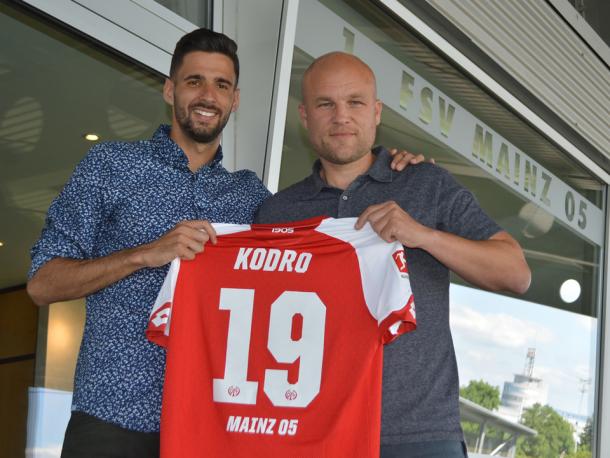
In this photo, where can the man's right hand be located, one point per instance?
(184, 241)
(63, 279)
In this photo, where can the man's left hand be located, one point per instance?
(392, 223)
(402, 159)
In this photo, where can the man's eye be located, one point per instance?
(324, 104)
(222, 86)
(356, 102)
(192, 83)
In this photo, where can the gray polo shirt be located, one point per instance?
(420, 378)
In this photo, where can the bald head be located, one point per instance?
(333, 63)
(340, 109)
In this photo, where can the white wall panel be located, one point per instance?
(540, 50)
(145, 18)
(141, 29)
(255, 26)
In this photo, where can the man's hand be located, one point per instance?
(496, 264)
(402, 159)
(392, 223)
(63, 279)
(184, 241)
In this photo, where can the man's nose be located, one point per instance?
(341, 114)
(207, 92)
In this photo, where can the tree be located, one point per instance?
(482, 393)
(485, 395)
(580, 454)
(554, 434)
(586, 437)
(584, 447)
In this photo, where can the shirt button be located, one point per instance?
(344, 197)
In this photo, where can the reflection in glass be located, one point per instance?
(493, 333)
(569, 290)
(56, 87)
(196, 11)
(597, 15)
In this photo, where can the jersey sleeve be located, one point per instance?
(159, 319)
(384, 276)
(158, 327)
(387, 288)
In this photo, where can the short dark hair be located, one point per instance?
(205, 40)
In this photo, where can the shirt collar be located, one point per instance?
(380, 171)
(169, 152)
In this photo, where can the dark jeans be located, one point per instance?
(90, 437)
(428, 449)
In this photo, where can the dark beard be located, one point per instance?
(200, 135)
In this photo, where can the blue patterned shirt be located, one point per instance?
(124, 194)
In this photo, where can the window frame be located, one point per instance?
(601, 444)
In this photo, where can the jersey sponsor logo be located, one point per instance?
(401, 262)
(233, 391)
(262, 425)
(272, 260)
(161, 316)
(282, 230)
(291, 395)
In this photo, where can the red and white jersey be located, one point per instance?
(275, 338)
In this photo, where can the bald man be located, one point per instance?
(440, 225)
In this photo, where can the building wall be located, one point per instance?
(541, 51)
(18, 323)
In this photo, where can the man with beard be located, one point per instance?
(438, 222)
(127, 211)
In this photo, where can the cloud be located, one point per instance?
(563, 376)
(491, 345)
(498, 329)
(565, 385)
(554, 375)
(479, 363)
(43, 452)
(588, 323)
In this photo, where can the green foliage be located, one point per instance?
(554, 434)
(485, 395)
(493, 437)
(580, 454)
(482, 393)
(586, 437)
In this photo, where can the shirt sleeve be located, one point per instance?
(76, 214)
(159, 320)
(459, 213)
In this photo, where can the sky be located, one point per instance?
(492, 333)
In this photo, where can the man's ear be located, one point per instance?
(303, 115)
(378, 107)
(235, 105)
(168, 91)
